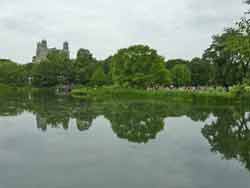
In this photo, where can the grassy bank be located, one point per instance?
(9, 90)
(210, 96)
(104, 93)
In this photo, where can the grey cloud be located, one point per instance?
(175, 28)
(22, 25)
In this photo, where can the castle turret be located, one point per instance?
(44, 44)
(66, 48)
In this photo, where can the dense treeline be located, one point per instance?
(226, 62)
(12, 73)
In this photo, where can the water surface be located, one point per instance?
(48, 141)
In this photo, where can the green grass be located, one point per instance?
(104, 93)
(209, 96)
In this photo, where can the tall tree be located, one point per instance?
(99, 77)
(181, 75)
(227, 69)
(136, 66)
(202, 72)
(84, 66)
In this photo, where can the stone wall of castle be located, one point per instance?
(42, 51)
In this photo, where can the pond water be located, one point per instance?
(48, 141)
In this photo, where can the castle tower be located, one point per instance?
(66, 48)
(41, 48)
(42, 51)
(44, 44)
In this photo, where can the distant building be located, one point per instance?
(42, 51)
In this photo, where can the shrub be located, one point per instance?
(240, 91)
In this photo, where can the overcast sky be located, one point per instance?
(176, 28)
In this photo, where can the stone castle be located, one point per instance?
(42, 51)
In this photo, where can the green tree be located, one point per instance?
(56, 69)
(12, 73)
(136, 66)
(202, 72)
(85, 65)
(238, 45)
(172, 62)
(230, 53)
(181, 75)
(227, 69)
(99, 77)
(161, 76)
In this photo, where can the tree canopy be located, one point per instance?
(137, 66)
(99, 77)
(12, 73)
(84, 66)
(181, 75)
(56, 69)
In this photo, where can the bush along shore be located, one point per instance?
(208, 95)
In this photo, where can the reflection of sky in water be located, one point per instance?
(179, 157)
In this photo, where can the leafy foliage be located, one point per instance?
(84, 66)
(172, 62)
(99, 77)
(137, 66)
(181, 75)
(56, 69)
(12, 73)
(202, 72)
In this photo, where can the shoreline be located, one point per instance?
(103, 93)
(111, 92)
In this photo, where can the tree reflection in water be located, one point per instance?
(137, 121)
(230, 135)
